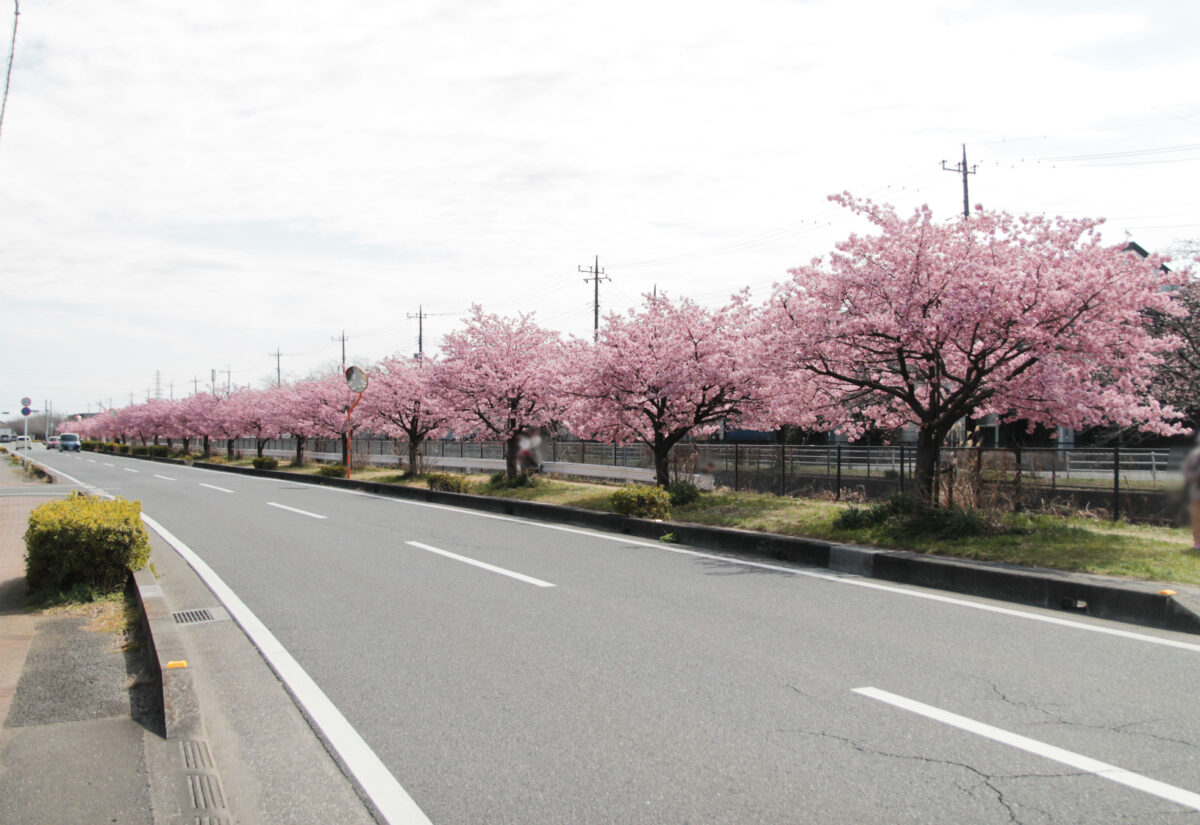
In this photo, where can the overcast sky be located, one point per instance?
(191, 186)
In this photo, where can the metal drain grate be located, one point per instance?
(193, 616)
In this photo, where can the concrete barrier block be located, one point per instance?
(849, 558)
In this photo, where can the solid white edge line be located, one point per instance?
(215, 487)
(1084, 763)
(493, 568)
(376, 781)
(165, 478)
(91, 488)
(294, 510)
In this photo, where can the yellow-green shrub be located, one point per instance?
(642, 501)
(84, 540)
(448, 483)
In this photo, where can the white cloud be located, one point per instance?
(266, 174)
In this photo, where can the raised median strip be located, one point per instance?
(1080, 593)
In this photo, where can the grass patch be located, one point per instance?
(116, 613)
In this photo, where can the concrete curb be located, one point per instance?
(181, 710)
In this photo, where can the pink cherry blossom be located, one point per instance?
(927, 323)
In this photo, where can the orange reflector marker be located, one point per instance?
(1167, 593)
(178, 663)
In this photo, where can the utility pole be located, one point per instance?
(343, 340)
(964, 170)
(597, 276)
(278, 373)
(212, 382)
(228, 379)
(421, 316)
(172, 390)
(158, 383)
(195, 385)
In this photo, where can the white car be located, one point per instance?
(23, 442)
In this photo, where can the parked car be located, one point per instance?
(23, 441)
(51, 442)
(68, 442)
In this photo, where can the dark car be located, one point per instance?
(68, 442)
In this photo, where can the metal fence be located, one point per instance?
(1139, 484)
(1136, 483)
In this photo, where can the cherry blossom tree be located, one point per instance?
(1178, 380)
(662, 372)
(256, 413)
(315, 408)
(400, 402)
(197, 419)
(499, 377)
(927, 324)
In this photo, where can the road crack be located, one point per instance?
(1054, 718)
(984, 779)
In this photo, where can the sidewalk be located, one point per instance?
(64, 703)
(82, 736)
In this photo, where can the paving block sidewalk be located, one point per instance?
(70, 750)
(78, 740)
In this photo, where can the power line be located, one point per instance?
(818, 220)
(11, 53)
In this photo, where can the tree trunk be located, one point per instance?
(299, 450)
(259, 443)
(511, 447)
(345, 449)
(661, 449)
(206, 450)
(929, 448)
(413, 452)
(229, 448)
(187, 443)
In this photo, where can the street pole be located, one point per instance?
(964, 170)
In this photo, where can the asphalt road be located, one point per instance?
(591, 678)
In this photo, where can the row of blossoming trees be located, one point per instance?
(918, 324)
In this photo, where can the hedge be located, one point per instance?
(448, 483)
(84, 540)
(642, 501)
